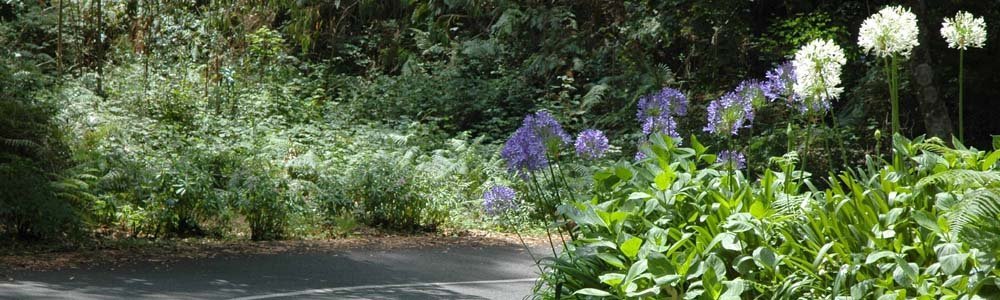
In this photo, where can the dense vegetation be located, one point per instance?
(300, 119)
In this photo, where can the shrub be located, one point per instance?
(385, 191)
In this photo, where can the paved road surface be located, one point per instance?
(495, 272)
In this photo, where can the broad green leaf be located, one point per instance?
(612, 279)
(874, 257)
(592, 292)
(631, 247)
(663, 180)
(954, 262)
(925, 221)
(765, 257)
(639, 195)
(757, 210)
(635, 270)
(612, 259)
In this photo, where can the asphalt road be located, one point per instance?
(494, 272)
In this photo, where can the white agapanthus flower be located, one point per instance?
(891, 31)
(817, 73)
(964, 31)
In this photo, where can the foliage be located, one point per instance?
(676, 226)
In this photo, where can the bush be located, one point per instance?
(260, 199)
(29, 206)
(385, 191)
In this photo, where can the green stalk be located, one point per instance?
(805, 155)
(961, 90)
(538, 263)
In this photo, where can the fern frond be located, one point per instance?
(961, 178)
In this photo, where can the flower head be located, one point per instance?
(964, 31)
(779, 82)
(733, 159)
(498, 199)
(591, 144)
(528, 148)
(729, 114)
(753, 91)
(545, 126)
(524, 151)
(817, 71)
(657, 111)
(891, 31)
(639, 155)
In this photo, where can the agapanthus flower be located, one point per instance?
(591, 144)
(818, 66)
(657, 111)
(729, 114)
(732, 159)
(964, 31)
(529, 148)
(891, 31)
(779, 82)
(639, 155)
(524, 151)
(753, 91)
(545, 126)
(498, 199)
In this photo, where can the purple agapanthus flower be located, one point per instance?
(529, 147)
(524, 151)
(734, 159)
(545, 126)
(729, 114)
(639, 155)
(753, 91)
(498, 199)
(657, 111)
(779, 82)
(591, 144)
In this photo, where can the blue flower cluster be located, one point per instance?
(735, 159)
(498, 199)
(591, 144)
(657, 111)
(779, 82)
(729, 114)
(528, 148)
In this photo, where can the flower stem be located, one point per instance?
(961, 90)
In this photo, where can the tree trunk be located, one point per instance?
(932, 108)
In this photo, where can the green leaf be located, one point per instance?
(664, 179)
(879, 255)
(996, 142)
(612, 259)
(990, 160)
(635, 270)
(765, 257)
(612, 279)
(592, 292)
(639, 195)
(925, 221)
(631, 247)
(954, 262)
(757, 210)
